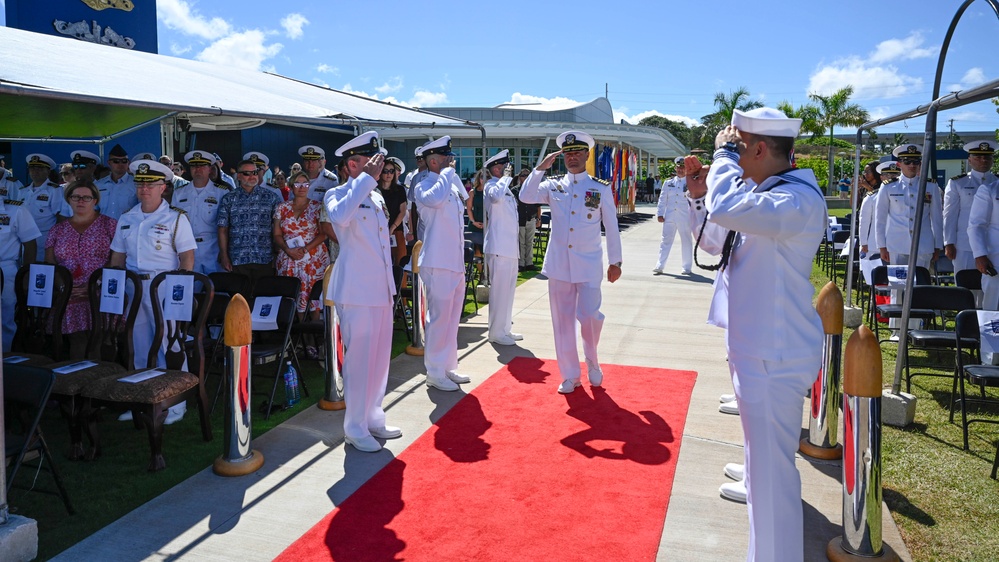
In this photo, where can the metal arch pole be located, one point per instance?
(929, 149)
(853, 219)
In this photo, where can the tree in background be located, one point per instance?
(726, 106)
(898, 139)
(689, 136)
(809, 115)
(836, 109)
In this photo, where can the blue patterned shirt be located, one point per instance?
(248, 218)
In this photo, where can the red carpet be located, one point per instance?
(515, 471)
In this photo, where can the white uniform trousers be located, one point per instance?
(502, 284)
(677, 223)
(144, 330)
(445, 295)
(9, 299)
(570, 302)
(922, 260)
(770, 395)
(367, 341)
(526, 239)
(206, 256)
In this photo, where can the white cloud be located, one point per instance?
(392, 86)
(973, 77)
(178, 15)
(525, 99)
(901, 49)
(423, 98)
(178, 50)
(293, 24)
(241, 50)
(620, 114)
(327, 69)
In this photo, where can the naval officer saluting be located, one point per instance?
(362, 286)
(574, 258)
(502, 248)
(440, 196)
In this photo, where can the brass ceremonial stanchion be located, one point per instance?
(237, 457)
(418, 312)
(333, 395)
(823, 415)
(861, 538)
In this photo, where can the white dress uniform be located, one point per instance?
(43, 202)
(983, 236)
(9, 187)
(318, 187)
(574, 259)
(362, 286)
(774, 335)
(418, 176)
(501, 246)
(442, 267)
(894, 217)
(957, 198)
(202, 207)
(117, 197)
(675, 211)
(16, 228)
(152, 244)
(865, 233)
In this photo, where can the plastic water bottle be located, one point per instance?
(291, 386)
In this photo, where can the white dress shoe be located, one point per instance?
(459, 379)
(175, 413)
(729, 408)
(366, 444)
(657, 270)
(735, 471)
(568, 386)
(684, 272)
(726, 398)
(515, 336)
(594, 373)
(735, 491)
(502, 341)
(387, 432)
(442, 383)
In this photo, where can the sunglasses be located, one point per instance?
(80, 166)
(388, 171)
(84, 198)
(301, 184)
(118, 160)
(910, 161)
(248, 173)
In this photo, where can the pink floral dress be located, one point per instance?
(312, 267)
(81, 254)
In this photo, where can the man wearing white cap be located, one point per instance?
(42, 198)
(9, 186)
(362, 287)
(321, 180)
(84, 165)
(200, 199)
(573, 263)
(442, 263)
(18, 234)
(767, 220)
(674, 212)
(262, 162)
(117, 188)
(957, 199)
(983, 237)
(502, 248)
(895, 212)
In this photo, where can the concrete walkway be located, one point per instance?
(655, 321)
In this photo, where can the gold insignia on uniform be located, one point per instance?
(928, 198)
(123, 5)
(984, 146)
(912, 149)
(310, 150)
(569, 139)
(143, 169)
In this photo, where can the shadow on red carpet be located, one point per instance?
(515, 471)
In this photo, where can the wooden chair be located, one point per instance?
(39, 329)
(150, 399)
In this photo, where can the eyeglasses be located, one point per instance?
(301, 184)
(84, 198)
(80, 166)
(118, 160)
(910, 161)
(247, 172)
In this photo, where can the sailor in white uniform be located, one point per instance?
(117, 188)
(895, 211)
(573, 264)
(18, 234)
(767, 232)
(42, 198)
(501, 247)
(321, 180)
(983, 236)
(262, 162)
(200, 199)
(9, 186)
(957, 199)
(151, 238)
(362, 287)
(870, 180)
(674, 213)
(442, 262)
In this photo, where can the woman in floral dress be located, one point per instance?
(301, 243)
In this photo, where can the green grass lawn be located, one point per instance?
(941, 496)
(106, 489)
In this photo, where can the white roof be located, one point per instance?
(59, 87)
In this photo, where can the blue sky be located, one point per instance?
(667, 57)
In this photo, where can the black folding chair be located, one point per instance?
(879, 280)
(275, 345)
(26, 391)
(942, 300)
(970, 370)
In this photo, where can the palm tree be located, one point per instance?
(726, 105)
(836, 109)
(809, 115)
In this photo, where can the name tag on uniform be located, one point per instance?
(363, 206)
(126, 226)
(40, 288)
(182, 200)
(113, 291)
(178, 302)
